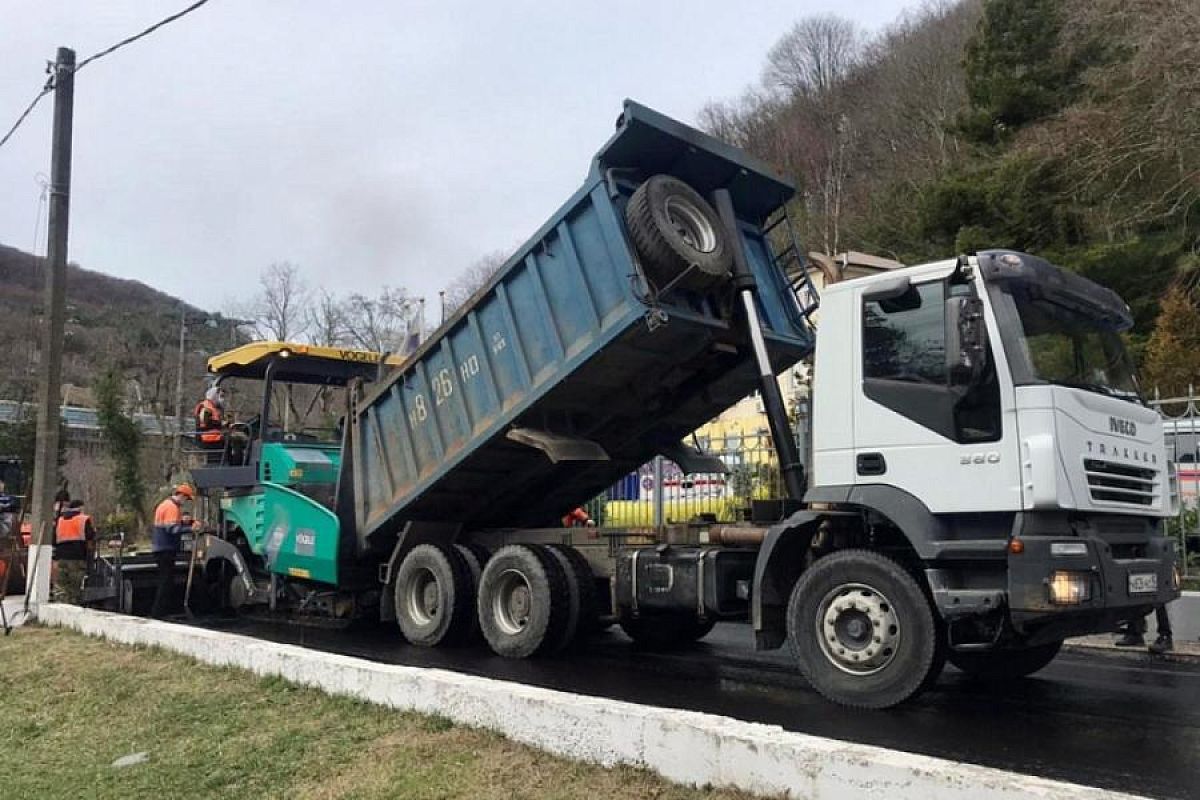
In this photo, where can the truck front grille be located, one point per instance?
(1110, 482)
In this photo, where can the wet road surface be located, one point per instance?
(1126, 724)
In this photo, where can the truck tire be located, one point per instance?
(665, 631)
(861, 629)
(433, 596)
(567, 637)
(1007, 664)
(675, 231)
(481, 553)
(585, 579)
(524, 601)
(941, 651)
(475, 556)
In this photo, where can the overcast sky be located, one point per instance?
(369, 142)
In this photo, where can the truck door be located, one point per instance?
(923, 424)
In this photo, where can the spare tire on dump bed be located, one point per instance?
(676, 232)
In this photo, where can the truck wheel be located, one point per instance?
(665, 631)
(573, 598)
(1006, 664)
(524, 601)
(433, 596)
(481, 553)
(674, 230)
(474, 556)
(580, 571)
(941, 650)
(862, 630)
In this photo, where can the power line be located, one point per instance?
(136, 36)
(45, 91)
(49, 87)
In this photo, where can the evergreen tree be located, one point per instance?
(1172, 360)
(1016, 71)
(124, 439)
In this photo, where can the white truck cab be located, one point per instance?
(977, 429)
(1037, 410)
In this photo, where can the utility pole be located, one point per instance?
(45, 462)
(179, 384)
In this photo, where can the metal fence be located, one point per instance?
(660, 493)
(1181, 426)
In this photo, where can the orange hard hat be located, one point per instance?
(185, 490)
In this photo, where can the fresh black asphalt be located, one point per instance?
(1128, 724)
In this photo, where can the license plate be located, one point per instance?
(1143, 583)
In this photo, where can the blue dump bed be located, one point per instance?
(566, 371)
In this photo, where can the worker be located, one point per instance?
(169, 527)
(213, 431)
(1135, 632)
(578, 518)
(74, 540)
(210, 422)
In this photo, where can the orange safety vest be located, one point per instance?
(167, 513)
(71, 529)
(208, 421)
(576, 519)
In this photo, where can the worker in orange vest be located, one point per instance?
(169, 527)
(210, 421)
(578, 518)
(74, 540)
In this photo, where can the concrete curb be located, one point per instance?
(684, 746)
(1184, 653)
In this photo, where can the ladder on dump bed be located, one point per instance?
(791, 263)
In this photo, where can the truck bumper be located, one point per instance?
(1111, 584)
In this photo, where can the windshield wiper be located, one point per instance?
(1102, 389)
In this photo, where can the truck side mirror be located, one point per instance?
(966, 340)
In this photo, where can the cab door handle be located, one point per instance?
(870, 464)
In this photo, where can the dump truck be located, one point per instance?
(983, 479)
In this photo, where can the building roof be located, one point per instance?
(78, 418)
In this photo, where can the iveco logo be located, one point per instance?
(1124, 427)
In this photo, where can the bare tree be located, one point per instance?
(815, 56)
(847, 116)
(916, 89)
(280, 311)
(472, 279)
(328, 320)
(1136, 155)
(381, 324)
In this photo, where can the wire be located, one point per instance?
(45, 91)
(49, 87)
(137, 36)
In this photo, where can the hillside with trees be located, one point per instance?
(112, 324)
(1067, 128)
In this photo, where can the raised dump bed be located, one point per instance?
(570, 367)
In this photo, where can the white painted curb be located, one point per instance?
(684, 746)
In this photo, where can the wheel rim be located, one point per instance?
(512, 602)
(423, 597)
(858, 629)
(691, 224)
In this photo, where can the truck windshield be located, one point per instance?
(1063, 344)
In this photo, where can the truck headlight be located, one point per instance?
(1070, 588)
